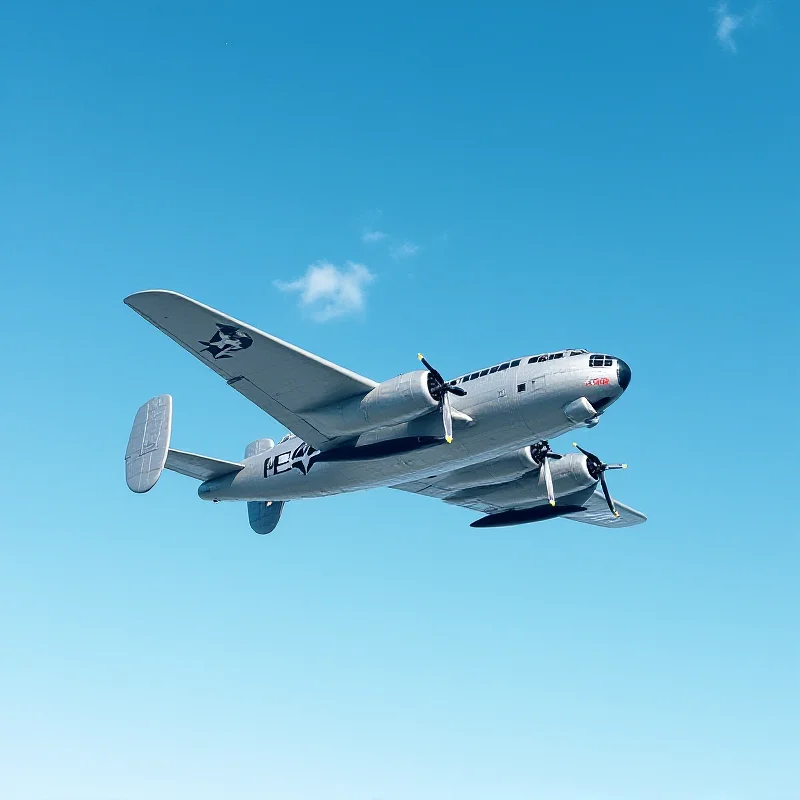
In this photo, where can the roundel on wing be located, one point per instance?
(226, 341)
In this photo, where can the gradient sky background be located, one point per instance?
(620, 177)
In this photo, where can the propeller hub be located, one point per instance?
(597, 470)
(439, 389)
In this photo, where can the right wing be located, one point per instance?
(278, 377)
(588, 506)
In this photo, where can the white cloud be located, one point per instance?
(726, 23)
(330, 292)
(405, 250)
(372, 236)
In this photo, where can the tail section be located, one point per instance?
(148, 452)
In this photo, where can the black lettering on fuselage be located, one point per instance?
(282, 463)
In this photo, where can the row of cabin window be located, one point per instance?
(551, 356)
(498, 368)
(531, 360)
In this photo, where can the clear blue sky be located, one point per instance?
(620, 177)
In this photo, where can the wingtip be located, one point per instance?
(130, 300)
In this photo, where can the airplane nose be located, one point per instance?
(623, 374)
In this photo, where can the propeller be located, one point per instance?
(597, 470)
(441, 390)
(541, 454)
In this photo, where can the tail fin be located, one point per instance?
(149, 453)
(148, 444)
(264, 515)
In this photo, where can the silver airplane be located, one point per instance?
(479, 441)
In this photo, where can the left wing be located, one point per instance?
(585, 506)
(278, 377)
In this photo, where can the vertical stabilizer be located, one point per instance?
(148, 444)
(264, 515)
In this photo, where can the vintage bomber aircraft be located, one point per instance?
(479, 441)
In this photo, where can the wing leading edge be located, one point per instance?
(283, 380)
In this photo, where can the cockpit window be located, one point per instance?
(600, 361)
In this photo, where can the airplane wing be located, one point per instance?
(586, 506)
(278, 377)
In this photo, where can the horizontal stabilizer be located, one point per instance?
(202, 468)
(148, 444)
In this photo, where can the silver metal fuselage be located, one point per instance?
(504, 417)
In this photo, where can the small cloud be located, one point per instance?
(372, 236)
(405, 250)
(726, 23)
(330, 292)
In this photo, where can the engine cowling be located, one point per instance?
(397, 400)
(498, 470)
(570, 474)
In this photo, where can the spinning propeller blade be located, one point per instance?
(447, 418)
(440, 390)
(541, 454)
(597, 469)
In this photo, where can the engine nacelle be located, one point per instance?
(397, 400)
(570, 475)
(498, 470)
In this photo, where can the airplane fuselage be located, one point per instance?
(507, 407)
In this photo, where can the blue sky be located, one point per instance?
(368, 181)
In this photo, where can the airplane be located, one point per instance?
(480, 441)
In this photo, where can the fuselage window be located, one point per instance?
(520, 387)
(473, 376)
(493, 369)
(515, 362)
(503, 366)
(484, 372)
